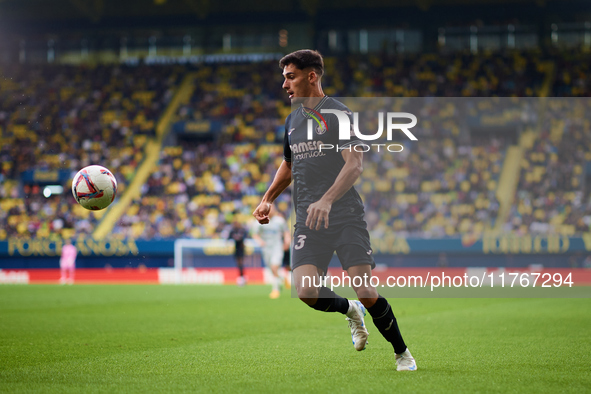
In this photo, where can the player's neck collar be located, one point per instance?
(317, 108)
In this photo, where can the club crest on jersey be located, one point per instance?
(321, 126)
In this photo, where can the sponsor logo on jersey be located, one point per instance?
(308, 146)
(307, 150)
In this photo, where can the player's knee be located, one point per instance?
(366, 292)
(308, 295)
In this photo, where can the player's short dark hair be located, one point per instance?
(304, 58)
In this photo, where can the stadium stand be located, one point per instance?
(456, 74)
(106, 114)
(572, 74)
(196, 190)
(62, 118)
(553, 196)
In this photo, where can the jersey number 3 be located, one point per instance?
(301, 241)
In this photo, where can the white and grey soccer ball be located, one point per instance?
(94, 187)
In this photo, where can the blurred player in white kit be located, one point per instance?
(68, 262)
(274, 239)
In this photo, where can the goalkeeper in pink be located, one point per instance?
(68, 262)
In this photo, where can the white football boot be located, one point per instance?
(355, 316)
(405, 362)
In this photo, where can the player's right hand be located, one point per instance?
(261, 214)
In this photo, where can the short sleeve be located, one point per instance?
(286, 147)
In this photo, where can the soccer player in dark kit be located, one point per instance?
(329, 211)
(238, 234)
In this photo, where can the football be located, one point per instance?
(94, 187)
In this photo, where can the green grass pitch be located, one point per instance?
(229, 339)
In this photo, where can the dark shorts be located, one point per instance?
(350, 241)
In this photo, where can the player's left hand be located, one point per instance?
(261, 213)
(317, 213)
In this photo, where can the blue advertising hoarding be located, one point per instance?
(550, 251)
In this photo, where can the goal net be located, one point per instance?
(208, 261)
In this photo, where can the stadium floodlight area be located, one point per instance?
(190, 254)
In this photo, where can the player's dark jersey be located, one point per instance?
(238, 234)
(314, 170)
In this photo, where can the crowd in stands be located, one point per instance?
(246, 99)
(68, 117)
(197, 190)
(436, 75)
(435, 188)
(573, 78)
(553, 195)
(65, 118)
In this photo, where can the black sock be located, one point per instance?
(329, 301)
(384, 319)
(241, 270)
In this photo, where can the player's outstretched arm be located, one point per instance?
(281, 181)
(318, 211)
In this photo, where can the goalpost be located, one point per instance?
(194, 253)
